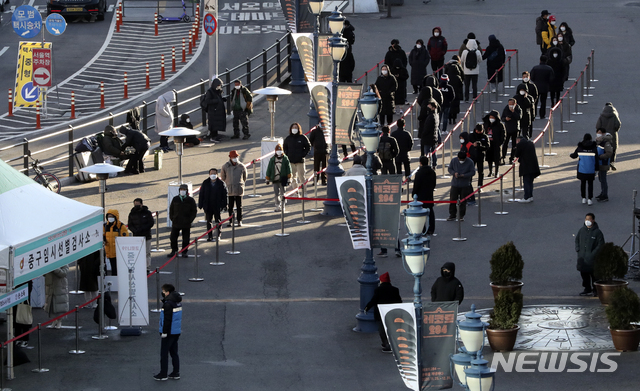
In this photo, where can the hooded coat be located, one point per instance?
(111, 232)
(567, 33)
(478, 151)
(472, 48)
(213, 104)
(526, 153)
(296, 147)
(56, 291)
(431, 90)
(556, 63)
(588, 162)
(447, 288)
(387, 87)
(111, 143)
(385, 293)
(609, 119)
(419, 60)
(589, 242)
(437, 46)
(394, 54)
(495, 56)
(605, 150)
(164, 114)
(401, 75)
(448, 94)
(513, 125)
(171, 314)
(526, 104)
(496, 133)
(429, 125)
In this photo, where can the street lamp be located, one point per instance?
(316, 8)
(102, 171)
(272, 94)
(368, 278)
(179, 136)
(336, 22)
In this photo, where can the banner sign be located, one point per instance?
(26, 92)
(438, 343)
(13, 298)
(306, 19)
(289, 11)
(399, 322)
(387, 194)
(53, 251)
(346, 109)
(304, 44)
(325, 61)
(133, 298)
(321, 96)
(353, 199)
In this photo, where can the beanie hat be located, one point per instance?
(385, 277)
(471, 36)
(444, 77)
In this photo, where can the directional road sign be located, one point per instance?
(26, 21)
(26, 91)
(55, 24)
(41, 64)
(30, 92)
(210, 24)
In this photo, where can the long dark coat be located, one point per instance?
(387, 87)
(419, 60)
(213, 104)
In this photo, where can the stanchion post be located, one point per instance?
(157, 249)
(282, 233)
(158, 308)
(315, 193)
(77, 291)
(254, 180)
(459, 238)
(304, 220)
(501, 212)
(40, 369)
(569, 120)
(509, 78)
(593, 64)
(589, 86)
(77, 349)
(582, 94)
(479, 224)
(217, 261)
(513, 184)
(233, 237)
(575, 99)
(196, 278)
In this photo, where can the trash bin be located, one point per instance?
(157, 159)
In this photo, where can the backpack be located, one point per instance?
(87, 144)
(471, 62)
(384, 150)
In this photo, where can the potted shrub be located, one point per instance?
(610, 266)
(503, 322)
(623, 309)
(506, 269)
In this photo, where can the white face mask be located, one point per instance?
(436, 34)
(555, 42)
(234, 160)
(560, 39)
(279, 152)
(418, 45)
(188, 120)
(511, 107)
(562, 28)
(384, 73)
(599, 136)
(525, 79)
(461, 141)
(555, 55)
(183, 192)
(213, 177)
(111, 219)
(237, 87)
(553, 22)
(492, 120)
(522, 92)
(588, 223)
(294, 130)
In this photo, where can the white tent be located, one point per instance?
(41, 231)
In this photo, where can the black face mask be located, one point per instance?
(446, 274)
(163, 296)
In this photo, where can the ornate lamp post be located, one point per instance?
(338, 46)
(179, 137)
(316, 9)
(368, 278)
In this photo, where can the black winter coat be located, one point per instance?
(448, 94)
(495, 56)
(447, 288)
(453, 69)
(513, 124)
(213, 104)
(141, 221)
(431, 91)
(394, 54)
(401, 75)
(419, 60)
(477, 151)
(557, 84)
(89, 271)
(526, 152)
(405, 141)
(384, 294)
(387, 87)
(430, 123)
(424, 183)
(296, 147)
(213, 196)
(316, 138)
(526, 104)
(182, 212)
(135, 139)
(394, 146)
(542, 76)
(496, 134)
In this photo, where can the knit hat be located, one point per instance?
(233, 154)
(385, 277)
(444, 77)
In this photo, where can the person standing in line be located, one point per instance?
(542, 76)
(234, 175)
(113, 228)
(423, 186)
(448, 98)
(213, 200)
(395, 52)
(213, 103)
(549, 32)
(242, 108)
(387, 86)
(419, 59)
(56, 290)
(470, 60)
(609, 120)
(348, 64)
(141, 143)
(400, 73)
(405, 145)
(462, 170)
(182, 212)
(557, 64)
(525, 102)
(496, 135)
(587, 155)
(589, 242)
(532, 90)
(430, 130)
(140, 222)
(296, 147)
(164, 118)
(437, 47)
(463, 47)
(357, 168)
(605, 150)
(170, 330)
(279, 172)
(495, 55)
(454, 71)
(567, 54)
(385, 293)
(479, 145)
(388, 151)
(541, 25)
(568, 33)
(511, 116)
(320, 152)
(447, 287)
(525, 151)
(89, 273)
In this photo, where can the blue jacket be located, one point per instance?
(171, 314)
(587, 152)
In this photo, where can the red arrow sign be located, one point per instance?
(42, 77)
(42, 67)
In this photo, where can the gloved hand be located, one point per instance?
(267, 183)
(163, 335)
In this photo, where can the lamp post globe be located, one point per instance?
(480, 376)
(316, 6)
(471, 331)
(336, 22)
(415, 217)
(338, 47)
(369, 104)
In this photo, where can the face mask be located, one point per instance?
(279, 153)
(418, 45)
(294, 130)
(492, 120)
(163, 295)
(219, 88)
(555, 42)
(213, 177)
(598, 136)
(237, 87)
(553, 23)
(562, 29)
(183, 193)
(525, 79)
(461, 141)
(446, 274)
(522, 92)
(555, 55)
(111, 219)
(511, 107)
(384, 72)
(560, 39)
(140, 206)
(234, 160)
(436, 34)
(588, 223)
(188, 120)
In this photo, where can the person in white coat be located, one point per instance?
(56, 290)
(164, 117)
(471, 68)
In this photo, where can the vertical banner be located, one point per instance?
(325, 61)
(306, 20)
(387, 194)
(353, 199)
(399, 322)
(438, 343)
(346, 108)
(321, 96)
(26, 93)
(133, 298)
(304, 44)
(289, 11)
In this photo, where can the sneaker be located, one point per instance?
(160, 377)
(210, 239)
(451, 218)
(239, 224)
(603, 199)
(386, 349)
(382, 255)
(171, 254)
(174, 376)
(246, 136)
(589, 202)
(586, 293)
(584, 200)
(185, 254)
(612, 167)
(471, 203)
(235, 136)
(398, 253)
(278, 209)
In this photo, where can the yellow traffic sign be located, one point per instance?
(26, 94)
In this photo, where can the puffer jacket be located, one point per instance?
(605, 150)
(171, 314)
(609, 119)
(234, 176)
(587, 152)
(56, 291)
(472, 48)
(296, 147)
(437, 46)
(589, 241)
(111, 144)
(111, 232)
(141, 221)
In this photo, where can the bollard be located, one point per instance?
(233, 237)
(303, 220)
(157, 249)
(173, 58)
(184, 51)
(155, 22)
(38, 115)
(77, 291)
(162, 67)
(315, 193)
(196, 278)
(158, 307)
(253, 184)
(147, 86)
(118, 20)
(514, 199)
(502, 212)
(73, 105)
(102, 106)
(459, 238)
(217, 261)
(190, 42)
(40, 369)
(593, 64)
(282, 233)
(77, 349)
(575, 99)
(10, 103)
(479, 224)
(126, 93)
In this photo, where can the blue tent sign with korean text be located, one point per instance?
(26, 21)
(56, 25)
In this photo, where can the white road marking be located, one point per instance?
(4, 49)
(31, 2)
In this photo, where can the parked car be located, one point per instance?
(97, 8)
